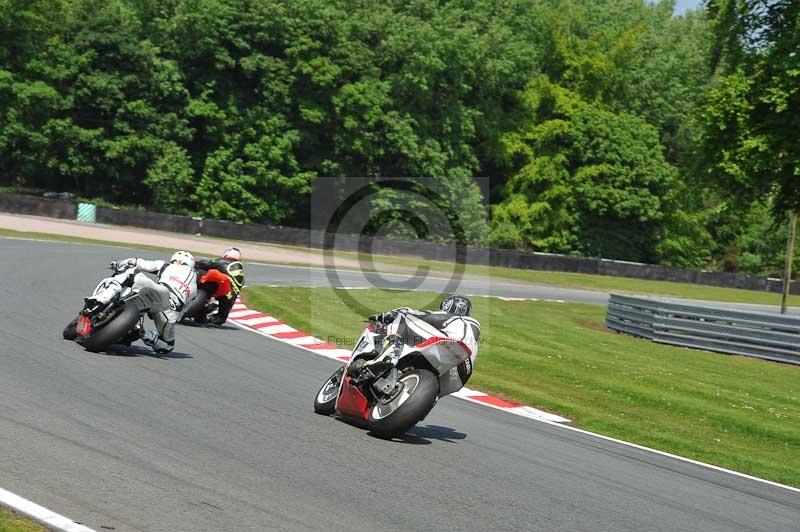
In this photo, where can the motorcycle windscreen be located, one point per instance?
(351, 402)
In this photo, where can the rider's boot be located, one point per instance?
(133, 335)
(395, 343)
(158, 344)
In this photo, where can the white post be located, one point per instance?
(787, 271)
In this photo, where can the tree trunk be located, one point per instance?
(787, 271)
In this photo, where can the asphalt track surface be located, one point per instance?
(221, 436)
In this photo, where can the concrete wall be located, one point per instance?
(36, 205)
(22, 204)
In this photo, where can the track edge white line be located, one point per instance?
(45, 517)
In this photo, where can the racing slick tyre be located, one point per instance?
(70, 332)
(112, 332)
(325, 401)
(194, 308)
(399, 412)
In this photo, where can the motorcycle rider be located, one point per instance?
(177, 284)
(452, 321)
(229, 264)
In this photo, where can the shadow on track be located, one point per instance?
(190, 323)
(416, 435)
(423, 435)
(120, 350)
(139, 351)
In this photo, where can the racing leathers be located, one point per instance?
(435, 323)
(235, 271)
(177, 284)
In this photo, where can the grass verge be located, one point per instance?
(12, 522)
(735, 412)
(83, 240)
(76, 239)
(601, 283)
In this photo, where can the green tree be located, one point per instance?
(91, 110)
(751, 119)
(750, 138)
(591, 181)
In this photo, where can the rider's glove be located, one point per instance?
(122, 265)
(384, 317)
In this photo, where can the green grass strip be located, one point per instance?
(735, 412)
(601, 283)
(12, 522)
(131, 245)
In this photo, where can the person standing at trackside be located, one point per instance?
(177, 284)
(229, 264)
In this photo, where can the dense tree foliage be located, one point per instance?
(590, 117)
(751, 118)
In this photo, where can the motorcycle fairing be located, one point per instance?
(351, 402)
(222, 281)
(445, 355)
(442, 353)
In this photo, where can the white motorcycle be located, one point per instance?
(100, 325)
(391, 390)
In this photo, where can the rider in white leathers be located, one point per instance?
(451, 321)
(177, 284)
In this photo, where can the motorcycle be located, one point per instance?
(211, 284)
(388, 390)
(98, 326)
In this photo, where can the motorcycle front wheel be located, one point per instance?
(399, 412)
(325, 401)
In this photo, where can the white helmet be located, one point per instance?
(183, 257)
(232, 254)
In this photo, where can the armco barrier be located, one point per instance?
(22, 204)
(755, 334)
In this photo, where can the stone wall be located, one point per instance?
(23, 204)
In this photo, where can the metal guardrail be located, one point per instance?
(755, 334)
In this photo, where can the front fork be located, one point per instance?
(386, 383)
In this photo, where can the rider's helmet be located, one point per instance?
(458, 305)
(232, 255)
(182, 257)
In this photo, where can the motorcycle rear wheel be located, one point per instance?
(325, 401)
(70, 332)
(112, 332)
(194, 308)
(418, 396)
